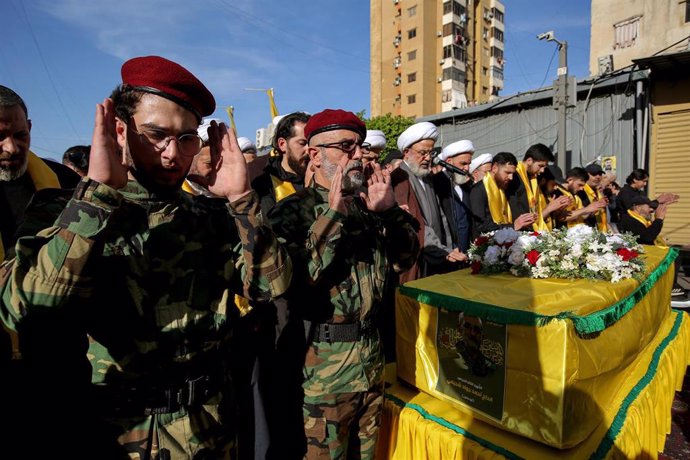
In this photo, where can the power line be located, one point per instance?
(45, 67)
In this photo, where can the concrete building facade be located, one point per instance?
(431, 56)
(623, 30)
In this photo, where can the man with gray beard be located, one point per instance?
(22, 175)
(417, 145)
(346, 236)
(453, 190)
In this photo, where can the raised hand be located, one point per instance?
(524, 220)
(106, 162)
(336, 200)
(379, 196)
(556, 204)
(229, 177)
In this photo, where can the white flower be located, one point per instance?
(579, 233)
(614, 239)
(576, 250)
(526, 241)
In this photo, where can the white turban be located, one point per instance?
(202, 130)
(482, 159)
(376, 139)
(245, 143)
(456, 148)
(416, 133)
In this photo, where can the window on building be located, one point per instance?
(625, 33)
(411, 77)
(412, 11)
(411, 99)
(412, 55)
(485, 71)
(687, 11)
(498, 14)
(496, 52)
(446, 95)
(497, 34)
(455, 52)
(453, 73)
(412, 33)
(455, 7)
(453, 29)
(485, 90)
(496, 72)
(485, 33)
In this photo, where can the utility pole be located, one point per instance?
(560, 96)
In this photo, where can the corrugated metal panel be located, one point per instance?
(608, 122)
(671, 153)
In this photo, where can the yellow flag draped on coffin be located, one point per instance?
(536, 199)
(498, 202)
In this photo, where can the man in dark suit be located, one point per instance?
(453, 190)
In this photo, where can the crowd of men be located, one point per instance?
(186, 299)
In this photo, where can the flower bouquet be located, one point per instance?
(576, 252)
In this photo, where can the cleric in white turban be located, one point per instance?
(248, 148)
(202, 130)
(456, 148)
(417, 132)
(482, 159)
(376, 140)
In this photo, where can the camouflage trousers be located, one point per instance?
(343, 426)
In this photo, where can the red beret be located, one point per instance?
(157, 75)
(329, 120)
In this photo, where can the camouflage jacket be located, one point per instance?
(152, 279)
(341, 265)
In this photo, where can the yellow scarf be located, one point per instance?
(498, 203)
(188, 188)
(659, 240)
(536, 200)
(600, 215)
(281, 188)
(42, 177)
(574, 205)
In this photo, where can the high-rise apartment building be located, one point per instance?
(431, 56)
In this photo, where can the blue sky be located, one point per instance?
(64, 56)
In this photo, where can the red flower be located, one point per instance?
(626, 254)
(480, 240)
(533, 256)
(476, 266)
(535, 234)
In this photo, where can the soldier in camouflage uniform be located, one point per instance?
(151, 272)
(342, 239)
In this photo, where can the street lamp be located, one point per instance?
(560, 98)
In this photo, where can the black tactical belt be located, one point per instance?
(342, 332)
(148, 401)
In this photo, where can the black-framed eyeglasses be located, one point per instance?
(348, 146)
(366, 147)
(188, 144)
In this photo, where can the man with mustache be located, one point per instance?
(149, 272)
(344, 233)
(24, 176)
(417, 145)
(489, 201)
